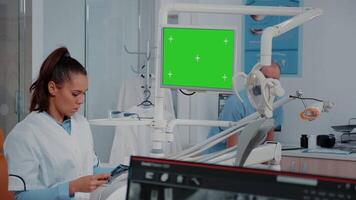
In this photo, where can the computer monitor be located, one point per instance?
(151, 178)
(198, 58)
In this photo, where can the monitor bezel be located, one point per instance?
(203, 171)
(198, 89)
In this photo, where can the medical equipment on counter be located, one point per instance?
(162, 127)
(346, 130)
(303, 141)
(326, 141)
(116, 113)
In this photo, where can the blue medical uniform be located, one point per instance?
(234, 110)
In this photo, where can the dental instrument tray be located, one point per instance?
(346, 130)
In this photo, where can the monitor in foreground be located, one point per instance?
(151, 178)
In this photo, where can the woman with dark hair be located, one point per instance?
(51, 151)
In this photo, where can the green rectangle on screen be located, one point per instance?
(198, 58)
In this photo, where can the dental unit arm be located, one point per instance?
(248, 151)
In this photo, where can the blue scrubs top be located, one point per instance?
(234, 110)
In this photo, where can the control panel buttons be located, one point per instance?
(195, 181)
(164, 177)
(180, 179)
(149, 175)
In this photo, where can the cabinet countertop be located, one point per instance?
(330, 156)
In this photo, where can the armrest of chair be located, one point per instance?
(4, 174)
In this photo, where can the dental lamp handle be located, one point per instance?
(277, 89)
(234, 82)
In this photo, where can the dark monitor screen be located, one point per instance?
(151, 178)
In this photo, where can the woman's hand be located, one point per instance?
(87, 183)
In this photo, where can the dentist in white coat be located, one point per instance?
(50, 153)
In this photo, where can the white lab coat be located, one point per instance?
(136, 140)
(40, 151)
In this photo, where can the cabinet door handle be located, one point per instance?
(293, 167)
(304, 167)
(17, 102)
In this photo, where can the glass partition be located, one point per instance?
(110, 26)
(15, 60)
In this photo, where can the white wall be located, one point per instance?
(56, 24)
(328, 69)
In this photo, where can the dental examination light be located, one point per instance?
(261, 91)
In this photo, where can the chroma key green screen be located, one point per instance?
(198, 58)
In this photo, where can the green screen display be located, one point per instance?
(200, 58)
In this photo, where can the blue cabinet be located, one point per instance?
(285, 48)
